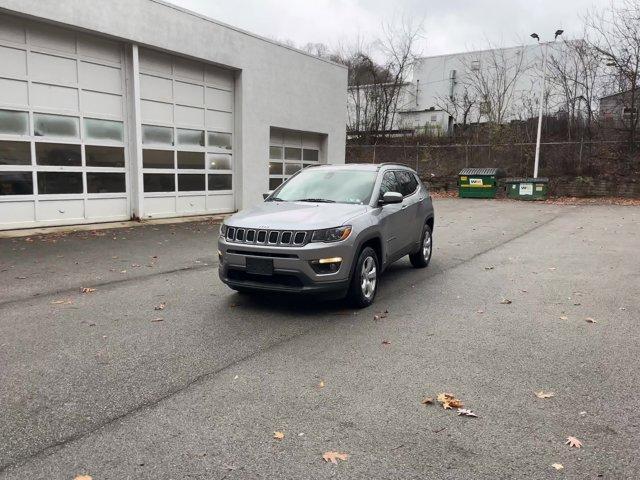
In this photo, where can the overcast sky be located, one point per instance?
(449, 25)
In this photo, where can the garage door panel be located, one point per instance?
(99, 48)
(52, 38)
(219, 99)
(220, 203)
(60, 210)
(52, 69)
(14, 93)
(219, 121)
(107, 207)
(102, 104)
(219, 77)
(12, 30)
(185, 68)
(17, 212)
(153, 61)
(156, 88)
(156, 112)
(192, 204)
(13, 62)
(100, 77)
(189, 116)
(189, 94)
(54, 97)
(159, 205)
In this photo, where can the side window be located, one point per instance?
(389, 184)
(408, 182)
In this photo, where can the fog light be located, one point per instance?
(219, 256)
(324, 261)
(326, 265)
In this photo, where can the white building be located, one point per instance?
(139, 109)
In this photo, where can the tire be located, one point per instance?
(361, 294)
(422, 257)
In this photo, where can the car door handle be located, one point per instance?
(404, 206)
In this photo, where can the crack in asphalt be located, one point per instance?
(53, 448)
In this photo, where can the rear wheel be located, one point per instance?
(364, 281)
(421, 258)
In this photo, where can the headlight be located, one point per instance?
(331, 234)
(223, 230)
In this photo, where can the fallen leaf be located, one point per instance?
(87, 290)
(333, 457)
(506, 301)
(590, 320)
(62, 302)
(557, 466)
(543, 395)
(466, 413)
(321, 384)
(386, 342)
(278, 435)
(564, 317)
(480, 311)
(490, 267)
(427, 401)
(82, 477)
(573, 442)
(449, 400)
(381, 315)
(159, 319)
(552, 268)
(160, 307)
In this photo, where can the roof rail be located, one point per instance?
(386, 164)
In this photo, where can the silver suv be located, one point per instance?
(329, 229)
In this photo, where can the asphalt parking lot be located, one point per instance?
(103, 384)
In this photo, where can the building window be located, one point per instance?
(97, 156)
(56, 183)
(290, 152)
(58, 154)
(98, 182)
(15, 153)
(56, 126)
(152, 135)
(16, 183)
(475, 65)
(159, 182)
(103, 130)
(14, 123)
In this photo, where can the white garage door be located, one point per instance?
(62, 131)
(187, 136)
(290, 151)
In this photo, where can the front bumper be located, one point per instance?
(292, 271)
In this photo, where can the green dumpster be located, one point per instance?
(527, 188)
(478, 182)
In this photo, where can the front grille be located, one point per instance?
(267, 237)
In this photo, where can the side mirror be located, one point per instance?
(266, 195)
(391, 197)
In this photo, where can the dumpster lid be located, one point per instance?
(496, 172)
(527, 180)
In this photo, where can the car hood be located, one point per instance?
(295, 215)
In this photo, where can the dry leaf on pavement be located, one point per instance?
(564, 317)
(62, 302)
(449, 400)
(489, 267)
(381, 315)
(427, 401)
(87, 290)
(543, 395)
(278, 435)
(386, 342)
(506, 301)
(321, 384)
(557, 466)
(590, 320)
(573, 442)
(82, 477)
(160, 307)
(333, 457)
(158, 319)
(466, 413)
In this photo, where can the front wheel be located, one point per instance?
(364, 281)
(422, 257)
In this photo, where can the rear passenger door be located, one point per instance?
(412, 225)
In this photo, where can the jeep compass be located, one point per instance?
(329, 229)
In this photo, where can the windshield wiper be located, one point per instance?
(276, 199)
(316, 200)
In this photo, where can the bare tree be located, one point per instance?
(615, 34)
(491, 78)
(458, 105)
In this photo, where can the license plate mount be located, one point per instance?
(259, 266)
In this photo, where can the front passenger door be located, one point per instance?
(410, 207)
(391, 217)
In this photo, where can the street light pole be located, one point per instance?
(545, 52)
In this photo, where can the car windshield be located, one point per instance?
(329, 186)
